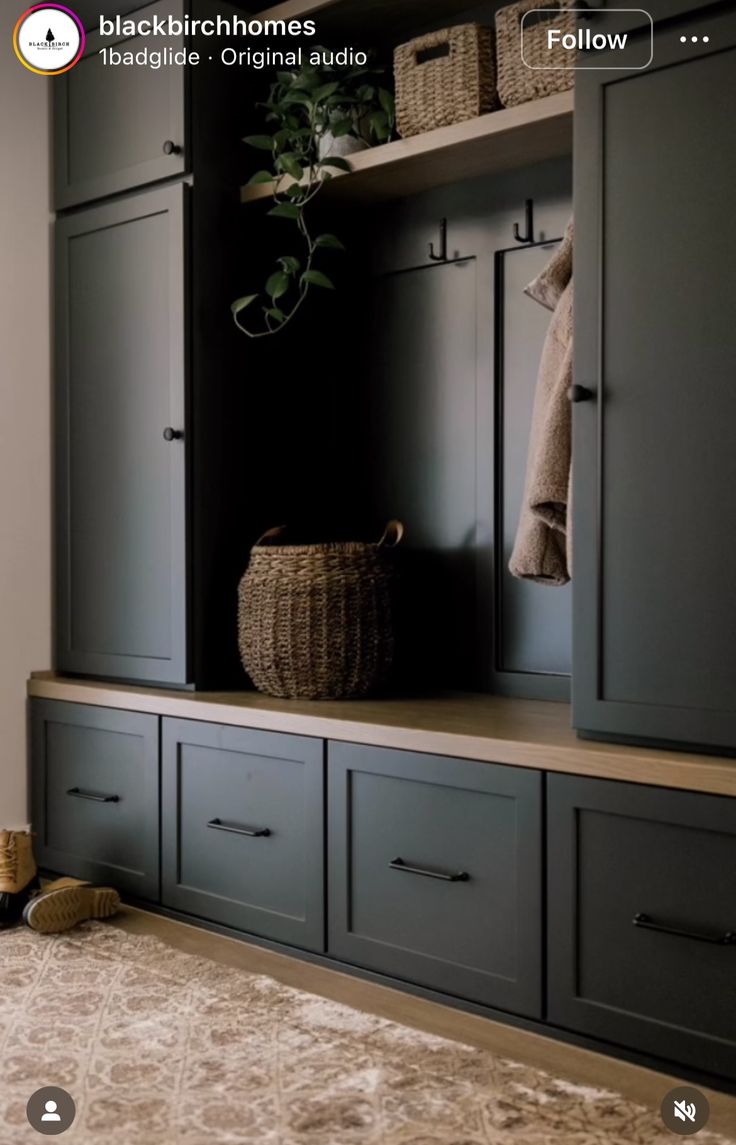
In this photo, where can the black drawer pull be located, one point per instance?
(253, 832)
(95, 796)
(398, 864)
(648, 923)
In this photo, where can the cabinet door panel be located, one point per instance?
(642, 886)
(120, 485)
(655, 467)
(96, 794)
(435, 872)
(111, 121)
(243, 829)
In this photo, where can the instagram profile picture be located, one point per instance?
(48, 39)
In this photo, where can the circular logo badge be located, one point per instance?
(48, 39)
(685, 1110)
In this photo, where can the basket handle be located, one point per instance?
(392, 535)
(551, 9)
(433, 46)
(270, 535)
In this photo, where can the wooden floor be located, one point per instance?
(580, 1066)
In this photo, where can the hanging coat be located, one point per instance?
(542, 548)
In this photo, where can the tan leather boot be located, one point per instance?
(63, 904)
(18, 875)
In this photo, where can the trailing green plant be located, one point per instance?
(302, 106)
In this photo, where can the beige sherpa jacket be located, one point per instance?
(542, 548)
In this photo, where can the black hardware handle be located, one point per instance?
(648, 923)
(578, 393)
(171, 434)
(94, 796)
(398, 864)
(234, 829)
(171, 148)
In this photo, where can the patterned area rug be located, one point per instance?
(158, 1047)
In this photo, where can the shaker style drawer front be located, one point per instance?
(642, 918)
(96, 794)
(116, 126)
(435, 872)
(243, 829)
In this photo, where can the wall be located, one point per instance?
(25, 510)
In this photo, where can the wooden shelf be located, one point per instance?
(491, 729)
(499, 141)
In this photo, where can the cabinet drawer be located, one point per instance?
(112, 122)
(243, 829)
(96, 794)
(642, 897)
(435, 872)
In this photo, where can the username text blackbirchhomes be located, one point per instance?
(219, 25)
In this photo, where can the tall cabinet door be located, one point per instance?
(655, 348)
(121, 534)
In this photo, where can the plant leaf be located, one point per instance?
(290, 264)
(386, 101)
(342, 127)
(260, 177)
(289, 164)
(262, 142)
(276, 314)
(324, 91)
(335, 161)
(277, 284)
(317, 278)
(329, 241)
(285, 211)
(241, 303)
(297, 97)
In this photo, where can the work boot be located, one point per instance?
(60, 907)
(18, 875)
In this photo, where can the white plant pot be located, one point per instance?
(329, 145)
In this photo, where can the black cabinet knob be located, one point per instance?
(171, 148)
(578, 393)
(171, 434)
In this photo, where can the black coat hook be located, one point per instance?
(442, 256)
(529, 215)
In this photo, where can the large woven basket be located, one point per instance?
(520, 80)
(444, 77)
(315, 621)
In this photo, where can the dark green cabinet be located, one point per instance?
(95, 795)
(655, 345)
(642, 919)
(117, 126)
(435, 872)
(154, 517)
(120, 484)
(242, 829)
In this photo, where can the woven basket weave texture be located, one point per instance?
(519, 80)
(448, 88)
(316, 621)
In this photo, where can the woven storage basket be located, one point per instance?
(518, 79)
(315, 621)
(444, 77)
